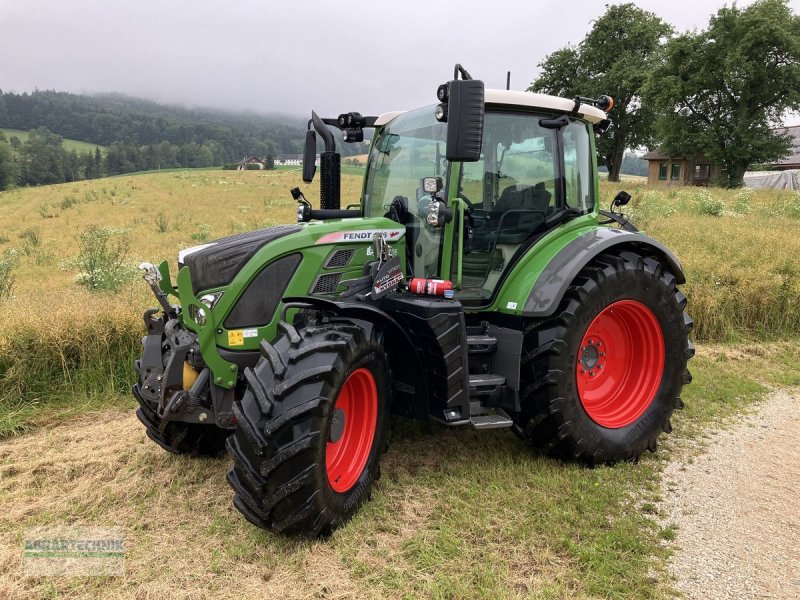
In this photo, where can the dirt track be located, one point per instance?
(737, 508)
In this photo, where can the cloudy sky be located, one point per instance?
(291, 56)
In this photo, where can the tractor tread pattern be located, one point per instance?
(543, 421)
(276, 476)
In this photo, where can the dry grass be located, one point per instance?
(742, 265)
(490, 521)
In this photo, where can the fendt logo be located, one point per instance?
(363, 235)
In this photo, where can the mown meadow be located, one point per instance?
(71, 299)
(458, 513)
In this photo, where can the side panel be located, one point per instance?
(538, 281)
(517, 286)
(315, 242)
(551, 285)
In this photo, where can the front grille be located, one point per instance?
(339, 259)
(326, 284)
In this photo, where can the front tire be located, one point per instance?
(311, 427)
(602, 377)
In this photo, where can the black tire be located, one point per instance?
(190, 439)
(279, 474)
(553, 416)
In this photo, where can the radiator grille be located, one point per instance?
(326, 284)
(339, 259)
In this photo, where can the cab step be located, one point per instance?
(485, 381)
(492, 421)
(481, 344)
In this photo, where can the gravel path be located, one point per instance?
(737, 508)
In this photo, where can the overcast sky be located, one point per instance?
(292, 56)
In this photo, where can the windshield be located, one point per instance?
(410, 147)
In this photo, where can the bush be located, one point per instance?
(46, 212)
(743, 200)
(31, 237)
(101, 258)
(708, 204)
(203, 233)
(162, 222)
(7, 278)
(252, 167)
(68, 202)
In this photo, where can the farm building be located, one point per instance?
(664, 169)
(793, 160)
(289, 159)
(250, 160)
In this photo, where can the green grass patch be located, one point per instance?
(69, 145)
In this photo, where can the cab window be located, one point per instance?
(511, 191)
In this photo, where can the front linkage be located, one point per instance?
(182, 411)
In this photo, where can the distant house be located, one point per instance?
(289, 160)
(664, 169)
(793, 160)
(250, 160)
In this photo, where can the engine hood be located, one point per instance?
(215, 264)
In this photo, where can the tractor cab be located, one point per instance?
(534, 170)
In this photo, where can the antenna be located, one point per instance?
(508, 80)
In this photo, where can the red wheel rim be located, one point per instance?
(352, 430)
(620, 364)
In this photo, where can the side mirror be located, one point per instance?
(463, 108)
(310, 156)
(622, 198)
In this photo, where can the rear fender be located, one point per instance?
(562, 269)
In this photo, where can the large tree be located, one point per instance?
(615, 58)
(721, 90)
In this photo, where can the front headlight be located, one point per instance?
(200, 315)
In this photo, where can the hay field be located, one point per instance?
(458, 513)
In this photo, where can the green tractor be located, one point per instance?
(476, 283)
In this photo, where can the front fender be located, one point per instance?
(407, 368)
(562, 269)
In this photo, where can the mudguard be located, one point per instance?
(565, 266)
(410, 391)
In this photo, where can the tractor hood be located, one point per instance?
(215, 264)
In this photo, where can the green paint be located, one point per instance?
(214, 335)
(166, 279)
(520, 281)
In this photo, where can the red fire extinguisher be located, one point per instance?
(430, 287)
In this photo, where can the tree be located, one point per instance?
(615, 58)
(723, 89)
(8, 167)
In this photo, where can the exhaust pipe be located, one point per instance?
(330, 168)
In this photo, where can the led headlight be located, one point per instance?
(199, 315)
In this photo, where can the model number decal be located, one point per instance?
(362, 235)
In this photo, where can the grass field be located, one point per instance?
(458, 513)
(77, 145)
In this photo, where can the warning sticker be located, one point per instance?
(249, 333)
(236, 337)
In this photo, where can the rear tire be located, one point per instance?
(311, 427)
(602, 377)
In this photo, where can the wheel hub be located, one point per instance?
(337, 426)
(592, 358)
